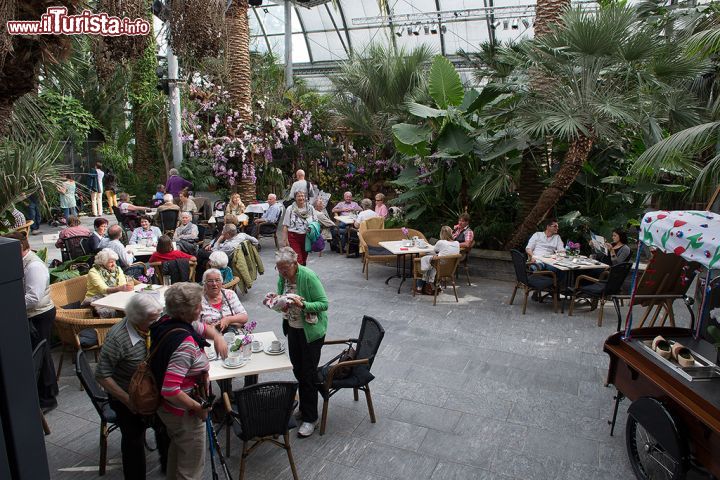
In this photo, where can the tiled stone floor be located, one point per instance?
(468, 390)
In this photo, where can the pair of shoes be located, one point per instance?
(682, 355)
(661, 347)
(306, 429)
(428, 289)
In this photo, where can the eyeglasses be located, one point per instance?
(213, 281)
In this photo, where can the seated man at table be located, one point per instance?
(268, 222)
(114, 234)
(545, 244)
(74, 229)
(347, 207)
(227, 242)
(186, 234)
(167, 205)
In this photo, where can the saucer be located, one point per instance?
(259, 349)
(232, 367)
(270, 352)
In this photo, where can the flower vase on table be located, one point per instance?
(572, 249)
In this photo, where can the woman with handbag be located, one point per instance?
(181, 368)
(125, 347)
(296, 223)
(305, 328)
(221, 308)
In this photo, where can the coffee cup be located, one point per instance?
(229, 338)
(233, 360)
(255, 345)
(275, 346)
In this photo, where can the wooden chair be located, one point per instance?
(600, 289)
(160, 274)
(366, 347)
(374, 223)
(541, 281)
(445, 269)
(24, 228)
(374, 253)
(465, 252)
(264, 413)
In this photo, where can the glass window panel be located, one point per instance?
(409, 42)
(465, 35)
(355, 9)
(326, 47)
(361, 38)
(257, 44)
(277, 45)
(299, 50)
(317, 18)
(399, 7)
(272, 18)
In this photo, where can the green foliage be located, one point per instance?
(73, 120)
(444, 84)
(69, 269)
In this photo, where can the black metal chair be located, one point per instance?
(264, 412)
(169, 221)
(127, 221)
(38, 355)
(599, 289)
(75, 247)
(366, 347)
(539, 281)
(270, 230)
(100, 401)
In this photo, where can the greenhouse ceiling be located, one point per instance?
(325, 34)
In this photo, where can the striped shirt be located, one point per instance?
(186, 365)
(120, 354)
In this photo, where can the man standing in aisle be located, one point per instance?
(95, 184)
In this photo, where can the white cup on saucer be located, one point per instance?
(275, 346)
(232, 360)
(256, 345)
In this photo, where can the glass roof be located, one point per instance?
(325, 34)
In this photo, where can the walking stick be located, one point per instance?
(215, 447)
(208, 427)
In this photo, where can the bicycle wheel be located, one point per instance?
(649, 460)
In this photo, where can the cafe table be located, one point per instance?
(259, 363)
(257, 208)
(141, 250)
(401, 249)
(346, 219)
(119, 300)
(571, 265)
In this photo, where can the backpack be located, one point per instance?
(143, 391)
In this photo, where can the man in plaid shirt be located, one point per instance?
(462, 232)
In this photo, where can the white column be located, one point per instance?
(288, 45)
(175, 125)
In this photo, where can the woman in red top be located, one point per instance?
(166, 253)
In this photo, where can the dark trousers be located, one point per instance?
(34, 214)
(132, 445)
(305, 358)
(263, 229)
(342, 234)
(40, 329)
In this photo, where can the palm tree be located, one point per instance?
(237, 55)
(372, 88)
(608, 75)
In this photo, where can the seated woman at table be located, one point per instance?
(145, 234)
(329, 230)
(165, 251)
(445, 246)
(618, 251)
(105, 277)
(158, 198)
(220, 261)
(221, 308)
(181, 369)
(126, 207)
(235, 206)
(123, 350)
(99, 239)
(186, 203)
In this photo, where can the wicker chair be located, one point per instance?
(373, 223)
(24, 228)
(69, 322)
(445, 269)
(465, 252)
(366, 347)
(160, 274)
(264, 412)
(374, 253)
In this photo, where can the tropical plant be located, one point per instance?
(372, 88)
(610, 75)
(467, 170)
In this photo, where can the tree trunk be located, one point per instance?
(572, 163)
(239, 78)
(548, 12)
(142, 157)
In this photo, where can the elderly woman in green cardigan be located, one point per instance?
(305, 328)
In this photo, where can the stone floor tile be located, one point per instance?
(570, 448)
(492, 431)
(456, 471)
(392, 432)
(527, 467)
(395, 463)
(468, 450)
(426, 416)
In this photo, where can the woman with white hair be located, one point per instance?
(220, 261)
(175, 183)
(305, 339)
(329, 230)
(181, 368)
(186, 234)
(296, 223)
(125, 347)
(125, 206)
(104, 278)
(221, 308)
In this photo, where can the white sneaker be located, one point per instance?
(306, 429)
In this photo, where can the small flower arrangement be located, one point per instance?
(405, 232)
(147, 278)
(572, 248)
(244, 337)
